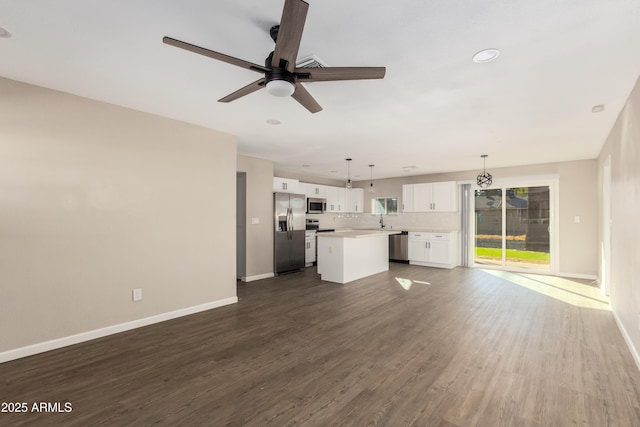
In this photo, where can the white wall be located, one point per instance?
(623, 145)
(96, 200)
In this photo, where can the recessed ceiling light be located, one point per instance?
(273, 122)
(597, 108)
(486, 55)
(4, 33)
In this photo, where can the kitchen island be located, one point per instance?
(345, 256)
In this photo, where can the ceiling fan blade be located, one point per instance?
(304, 97)
(338, 73)
(250, 88)
(215, 55)
(290, 33)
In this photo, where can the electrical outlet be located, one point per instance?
(137, 294)
(255, 221)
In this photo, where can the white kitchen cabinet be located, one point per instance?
(355, 200)
(342, 199)
(430, 197)
(433, 249)
(314, 190)
(407, 198)
(332, 199)
(418, 247)
(336, 199)
(444, 196)
(303, 188)
(285, 185)
(309, 248)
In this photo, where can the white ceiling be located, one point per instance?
(435, 109)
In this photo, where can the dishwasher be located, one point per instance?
(399, 247)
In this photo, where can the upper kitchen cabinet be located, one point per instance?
(407, 198)
(355, 200)
(314, 190)
(430, 197)
(336, 199)
(285, 185)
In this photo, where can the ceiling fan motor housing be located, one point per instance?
(278, 73)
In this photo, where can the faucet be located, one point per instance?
(381, 221)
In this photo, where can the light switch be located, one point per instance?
(255, 221)
(576, 219)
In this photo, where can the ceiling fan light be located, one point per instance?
(280, 88)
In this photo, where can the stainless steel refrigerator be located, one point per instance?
(289, 214)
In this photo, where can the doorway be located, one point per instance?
(512, 228)
(241, 228)
(605, 252)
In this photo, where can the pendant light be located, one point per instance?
(372, 189)
(348, 184)
(484, 179)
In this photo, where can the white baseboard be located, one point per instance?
(257, 277)
(627, 339)
(577, 276)
(30, 350)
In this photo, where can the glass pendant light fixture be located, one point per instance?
(348, 184)
(372, 189)
(484, 179)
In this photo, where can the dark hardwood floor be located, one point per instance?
(472, 348)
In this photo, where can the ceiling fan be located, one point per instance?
(281, 77)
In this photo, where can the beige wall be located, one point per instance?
(623, 145)
(259, 203)
(96, 200)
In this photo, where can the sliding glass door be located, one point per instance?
(512, 228)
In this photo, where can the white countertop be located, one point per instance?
(356, 234)
(399, 229)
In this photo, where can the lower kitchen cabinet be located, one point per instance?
(433, 249)
(309, 248)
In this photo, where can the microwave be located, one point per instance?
(316, 206)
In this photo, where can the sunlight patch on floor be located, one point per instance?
(563, 289)
(407, 283)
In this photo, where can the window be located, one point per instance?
(384, 205)
(513, 227)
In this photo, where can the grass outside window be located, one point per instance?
(513, 254)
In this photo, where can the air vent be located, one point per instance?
(310, 61)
